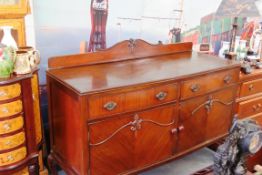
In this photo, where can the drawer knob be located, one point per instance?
(251, 87)
(3, 93)
(7, 126)
(10, 158)
(5, 110)
(174, 131)
(257, 107)
(227, 79)
(161, 95)
(110, 106)
(181, 128)
(195, 88)
(8, 142)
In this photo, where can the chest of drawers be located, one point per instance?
(136, 105)
(249, 105)
(20, 126)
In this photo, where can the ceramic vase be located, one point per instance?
(224, 49)
(35, 55)
(8, 39)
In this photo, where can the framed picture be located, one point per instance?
(13, 8)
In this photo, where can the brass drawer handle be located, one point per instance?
(110, 106)
(7, 126)
(227, 79)
(251, 87)
(161, 96)
(3, 93)
(195, 87)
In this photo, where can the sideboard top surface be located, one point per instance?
(99, 77)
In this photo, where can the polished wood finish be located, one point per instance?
(131, 107)
(20, 134)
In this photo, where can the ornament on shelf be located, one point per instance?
(8, 39)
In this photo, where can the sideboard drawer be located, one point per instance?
(102, 105)
(250, 107)
(12, 157)
(208, 83)
(10, 91)
(251, 87)
(12, 141)
(9, 109)
(11, 125)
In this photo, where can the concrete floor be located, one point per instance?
(184, 166)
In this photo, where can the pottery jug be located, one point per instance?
(35, 55)
(22, 63)
(8, 39)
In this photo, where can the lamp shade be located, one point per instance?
(238, 8)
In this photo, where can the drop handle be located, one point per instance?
(227, 79)
(110, 106)
(161, 96)
(195, 87)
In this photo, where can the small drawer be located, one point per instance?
(101, 105)
(251, 87)
(10, 91)
(11, 125)
(9, 109)
(208, 83)
(12, 141)
(250, 107)
(12, 157)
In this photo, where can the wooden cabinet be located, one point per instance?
(12, 13)
(249, 105)
(131, 110)
(20, 134)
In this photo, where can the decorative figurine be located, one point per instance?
(245, 137)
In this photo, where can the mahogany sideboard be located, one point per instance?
(136, 105)
(20, 126)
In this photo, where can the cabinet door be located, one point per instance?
(154, 140)
(192, 120)
(220, 113)
(121, 144)
(111, 146)
(205, 118)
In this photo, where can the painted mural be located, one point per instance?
(63, 26)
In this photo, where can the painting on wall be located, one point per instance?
(62, 26)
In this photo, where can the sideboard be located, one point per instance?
(136, 105)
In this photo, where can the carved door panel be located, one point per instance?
(192, 120)
(111, 146)
(127, 142)
(154, 140)
(220, 112)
